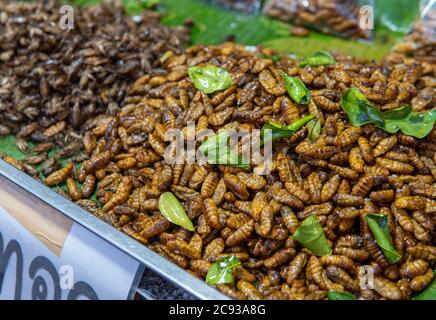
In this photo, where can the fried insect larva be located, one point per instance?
(326, 104)
(348, 200)
(313, 109)
(282, 196)
(348, 136)
(322, 152)
(279, 258)
(413, 268)
(55, 129)
(209, 184)
(60, 175)
(289, 110)
(411, 203)
(356, 160)
(420, 233)
(252, 181)
(126, 163)
(330, 188)
(219, 97)
(264, 226)
(316, 270)
(289, 219)
(121, 195)
(236, 221)
(402, 218)
(241, 234)
(97, 162)
(404, 286)
(346, 225)
(73, 189)
(220, 190)
(213, 218)
(366, 149)
(283, 169)
(318, 209)
(382, 196)
(297, 191)
(153, 226)
(228, 291)
(395, 166)
(248, 290)
(374, 250)
(236, 186)
(213, 249)
(421, 282)
(315, 186)
(424, 220)
(348, 213)
(339, 276)
(349, 241)
(295, 267)
(259, 202)
(200, 267)
(385, 145)
(387, 289)
(221, 117)
(244, 206)
(397, 156)
(188, 171)
(198, 178)
(346, 173)
(392, 272)
(179, 246)
(342, 262)
(423, 189)
(363, 186)
(424, 252)
(359, 255)
(177, 172)
(165, 178)
(244, 274)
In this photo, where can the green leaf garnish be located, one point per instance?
(338, 295)
(378, 223)
(222, 270)
(278, 131)
(429, 293)
(217, 151)
(173, 211)
(321, 58)
(296, 89)
(360, 112)
(311, 235)
(210, 79)
(314, 129)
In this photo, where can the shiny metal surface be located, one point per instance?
(150, 259)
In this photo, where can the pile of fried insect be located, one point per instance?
(351, 185)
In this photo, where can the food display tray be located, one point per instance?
(162, 279)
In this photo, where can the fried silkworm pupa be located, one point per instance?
(121, 195)
(73, 189)
(60, 175)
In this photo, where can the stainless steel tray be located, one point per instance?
(138, 251)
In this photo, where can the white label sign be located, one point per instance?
(82, 265)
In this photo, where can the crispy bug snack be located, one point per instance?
(55, 81)
(342, 175)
